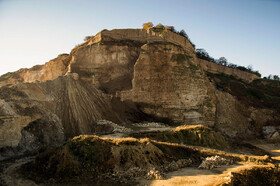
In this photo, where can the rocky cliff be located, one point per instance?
(220, 69)
(129, 75)
(50, 70)
(168, 84)
(157, 72)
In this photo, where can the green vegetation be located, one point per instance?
(159, 28)
(269, 87)
(148, 25)
(202, 54)
(260, 93)
(272, 77)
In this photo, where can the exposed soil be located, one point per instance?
(10, 174)
(194, 176)
(217, 176)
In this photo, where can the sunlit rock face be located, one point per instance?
(49, 71)
(123, 76)
(167, 83)
(157, 72)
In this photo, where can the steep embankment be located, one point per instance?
(45, 113)
(243, 109)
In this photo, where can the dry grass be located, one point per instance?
(198, 135)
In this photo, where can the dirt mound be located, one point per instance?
(43, 114)
(95, 158)
(213, 162)
(256, 175)
(198, 135)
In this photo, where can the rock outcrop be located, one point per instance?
(49, 71)
(125, 75)
(168, 84)
(157, 72)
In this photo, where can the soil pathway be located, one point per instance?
(195, 176)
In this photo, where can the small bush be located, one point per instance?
(148, 25)
(61, 55)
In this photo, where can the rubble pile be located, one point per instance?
(150, 124)
(173, 166)
(154, 174)
(116, 128)
(213, 162)
(151, 173)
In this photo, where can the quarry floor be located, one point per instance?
(199, 177)
(195, 176)
(184, 176)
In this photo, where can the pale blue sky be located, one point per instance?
(246, 32)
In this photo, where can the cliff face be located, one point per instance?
(168, 84)
(107, 66)
(156, 72)
(121, 75)
(220, 69)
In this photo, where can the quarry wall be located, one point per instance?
(144, 36)
(219, 69)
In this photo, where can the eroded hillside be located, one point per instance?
(126, 76)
